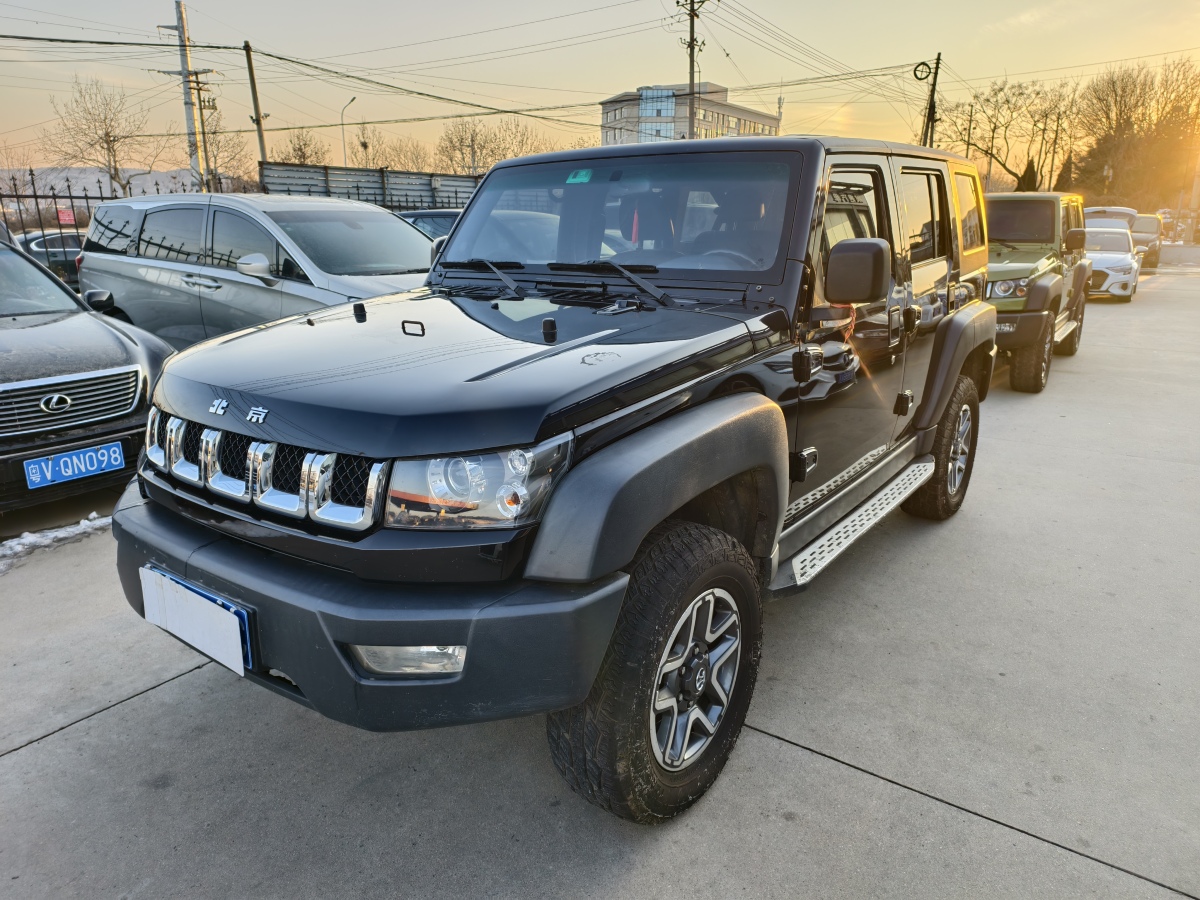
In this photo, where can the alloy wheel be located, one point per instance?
(696, 676)
(960, 451)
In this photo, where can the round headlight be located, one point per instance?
(457, 481)
(1003, 288)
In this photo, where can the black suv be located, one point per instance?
(644, 388)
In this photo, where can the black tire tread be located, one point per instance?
(1025, 368)
(583, 739)
(933, 499)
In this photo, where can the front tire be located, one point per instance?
(673, 690)
(953, 456)
(1029, 369)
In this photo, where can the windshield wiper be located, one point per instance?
(1006, 244)
(604, 265)
(481, 265)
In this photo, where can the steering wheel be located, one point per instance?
(753, 263)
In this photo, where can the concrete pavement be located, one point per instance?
(1002, 705)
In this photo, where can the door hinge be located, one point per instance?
(904, 403)
(802, 462)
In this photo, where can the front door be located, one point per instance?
(846, 411)
(229, 299)
(163, 296)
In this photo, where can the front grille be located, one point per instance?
(1098, 279)
(349, 485)
(91, 397)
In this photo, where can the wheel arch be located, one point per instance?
(723, 463)
(963, 344)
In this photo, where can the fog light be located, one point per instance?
(1005, 327)
(410, 660)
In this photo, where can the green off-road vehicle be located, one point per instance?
(1037, 280)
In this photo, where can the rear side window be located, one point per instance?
(434, 226)
(968, 211)
(113, 229)
(234, 237)
(926, 224)
(854, 209)
(172, 234)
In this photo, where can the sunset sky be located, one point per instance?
(572, 54)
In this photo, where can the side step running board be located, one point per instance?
(797, 571)
(1067, 328)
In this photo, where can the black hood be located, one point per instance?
(66, 343)
(429, 373)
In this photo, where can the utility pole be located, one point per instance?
(201, 105)
(258, 117)
(931, 110)
(189, 106)
(691, 9)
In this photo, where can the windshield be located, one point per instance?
(681, 212)
(1125, 219)
(1147, 224)
(1108, 243)
(355, 240)
(26, 290)
(1021, 221)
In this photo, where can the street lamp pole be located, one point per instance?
(343, 120)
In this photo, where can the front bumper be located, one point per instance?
(1021, 329)
(16, 494)
(1113, 285)
(531, 646)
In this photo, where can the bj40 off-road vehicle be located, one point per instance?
(644, 388)
(1037, 280)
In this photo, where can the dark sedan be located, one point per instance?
(75, 389)
(55, 250)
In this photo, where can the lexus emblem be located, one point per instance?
(55, 403)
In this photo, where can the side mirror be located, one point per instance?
(435, 248)
(1076, 238)
(859, 270)
(100, 301)
(1141, 251)
(256, 265)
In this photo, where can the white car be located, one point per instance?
(1116, 263)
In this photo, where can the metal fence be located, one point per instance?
(63, 208)
(397, 191)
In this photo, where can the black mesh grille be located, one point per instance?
(285, 476)
(191, 442)
(350, 476)
(160, 436)
(234, 448)
(1098, 279)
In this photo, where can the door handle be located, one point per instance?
(205, 283)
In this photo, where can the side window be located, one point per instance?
(234, 237)
(854, 208)
(113, 229)
(172, 234)
(968, 210)
(928, 237)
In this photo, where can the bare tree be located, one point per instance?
(303, 147)
(369, 148)
(99, 126)
(471, 146)
(410, 155)
(228, 154)
(15, 165)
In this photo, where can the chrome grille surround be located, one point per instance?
(218, 482)
(94, 396)
(318, 485)
(313, 498)
(180, 467)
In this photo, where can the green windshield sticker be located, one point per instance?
(580, 176)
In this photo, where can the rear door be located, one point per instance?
(929, 241)
(230, 300)
(163, 296)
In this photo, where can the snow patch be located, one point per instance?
(12, 551)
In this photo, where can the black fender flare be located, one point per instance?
(1079, 282)
(958, 336)
(1043, 292)
(605, 506)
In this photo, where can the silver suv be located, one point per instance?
(192, 266)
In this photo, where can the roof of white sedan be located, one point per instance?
(242, 201)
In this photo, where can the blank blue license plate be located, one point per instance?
(73, 464)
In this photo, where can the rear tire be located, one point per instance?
(1030, 366)
(953, 456)
(693, 606)
(1070, 346)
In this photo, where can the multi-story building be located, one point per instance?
(660, 113)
